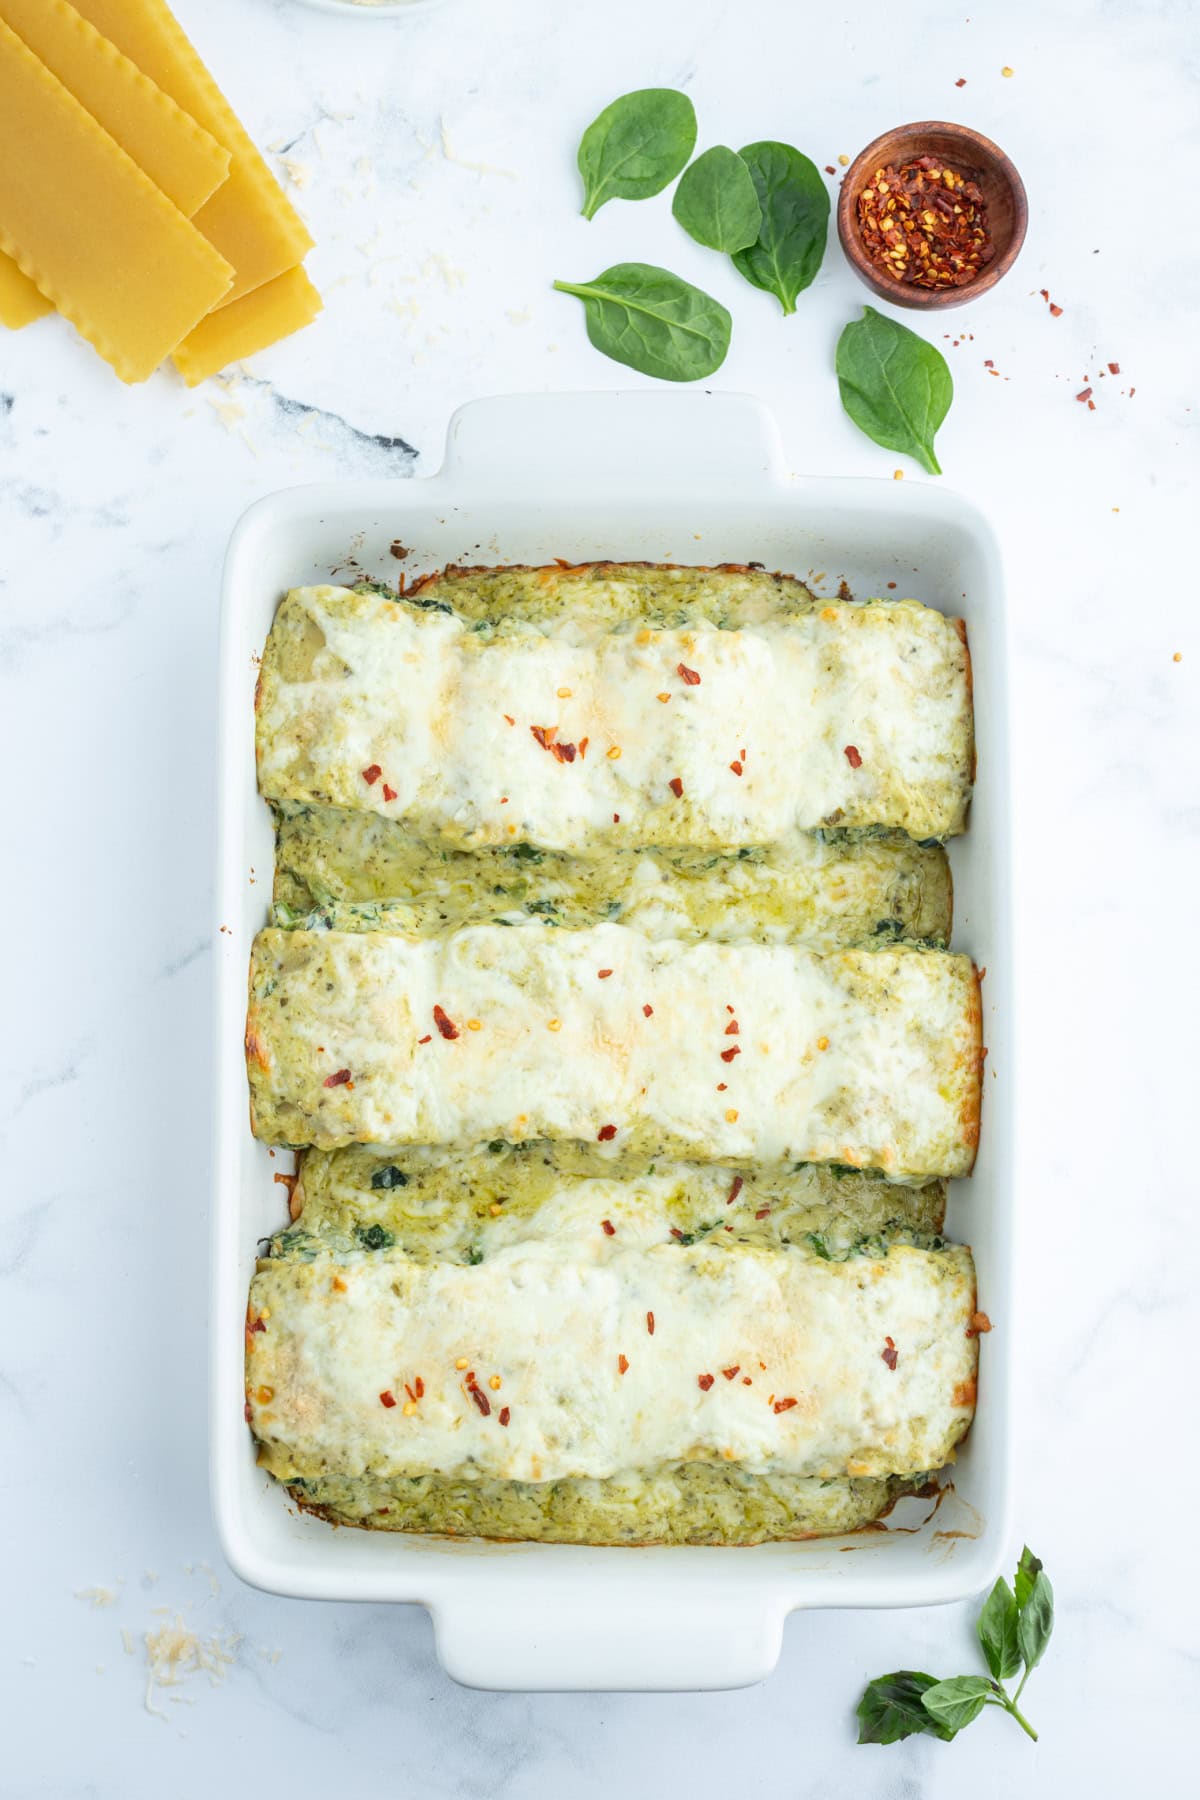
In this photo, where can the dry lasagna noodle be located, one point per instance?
(741, 1051)
(720, 720)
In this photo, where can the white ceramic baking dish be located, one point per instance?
(682, 477)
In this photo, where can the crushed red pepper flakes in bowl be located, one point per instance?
(925, 224)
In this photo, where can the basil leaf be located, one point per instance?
(956, 1702)
(1028, 1570)
(891, 1708)
(785, 256)
(895, 386)
(717, 203)
(1036, 1621)
(997, 1628)
(652, 320)
(635, 147)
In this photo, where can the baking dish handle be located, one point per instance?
(606, 1638)
(689, 441)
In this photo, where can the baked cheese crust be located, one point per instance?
(714, 1051)
(584, 736)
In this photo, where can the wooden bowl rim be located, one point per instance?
(986, 151)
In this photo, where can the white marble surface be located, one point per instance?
(435, 157)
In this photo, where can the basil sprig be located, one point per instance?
(716, 202)
(1014, 1629)
(653, 321)
(635, 147)
(895, 386)
(794, 203)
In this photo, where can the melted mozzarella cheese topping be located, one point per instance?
(842, 714)
(870, 1058)
(773, 1359)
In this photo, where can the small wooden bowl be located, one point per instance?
(972, 155)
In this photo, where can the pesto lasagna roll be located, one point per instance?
(573, 1358)
(712, 1051)
(450, 1206)
(580, 737)
(356, 871)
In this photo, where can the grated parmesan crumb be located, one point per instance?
(97, 1596)
(173, 1653)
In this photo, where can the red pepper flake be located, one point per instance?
(733, 1050)
(411, 1393)
(583, 744)
(735, 1190)
(616, 818)
(420, 1387)
(891, 1355)
(732, 1029)
(979, 1324)
(339, 1079)
(736, 767)
(689, 675)
(785, 1405)
(746, 1381)
(480, 1398)
(648, 1011)
(676, 786)
(257, 1325)
(1055, 311)
(504, 1415)
(606, 1134)
(387, 1398)
(544, 734)
(650, 1323)
(853, 757)
(389, 793)
(676, 1233)
(764, 1212)
(446, 1026)
(622, 1364)
(371, 775)
(509, 718)
(427, 1039)
(730, 1373)
(705, 1381)
(721, 1086)
(1114, 368)
(564, 752)
(988, 363)
(961, 82)
(603, 974)
(925, 224)
(1086, 394)
(608, 1228)
(829, 169)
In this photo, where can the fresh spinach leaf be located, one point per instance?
(891, 1709)
(784, 258)
(635, 147)
(895, 386)
(716, 202)
(653, 321)
(997, 1629)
